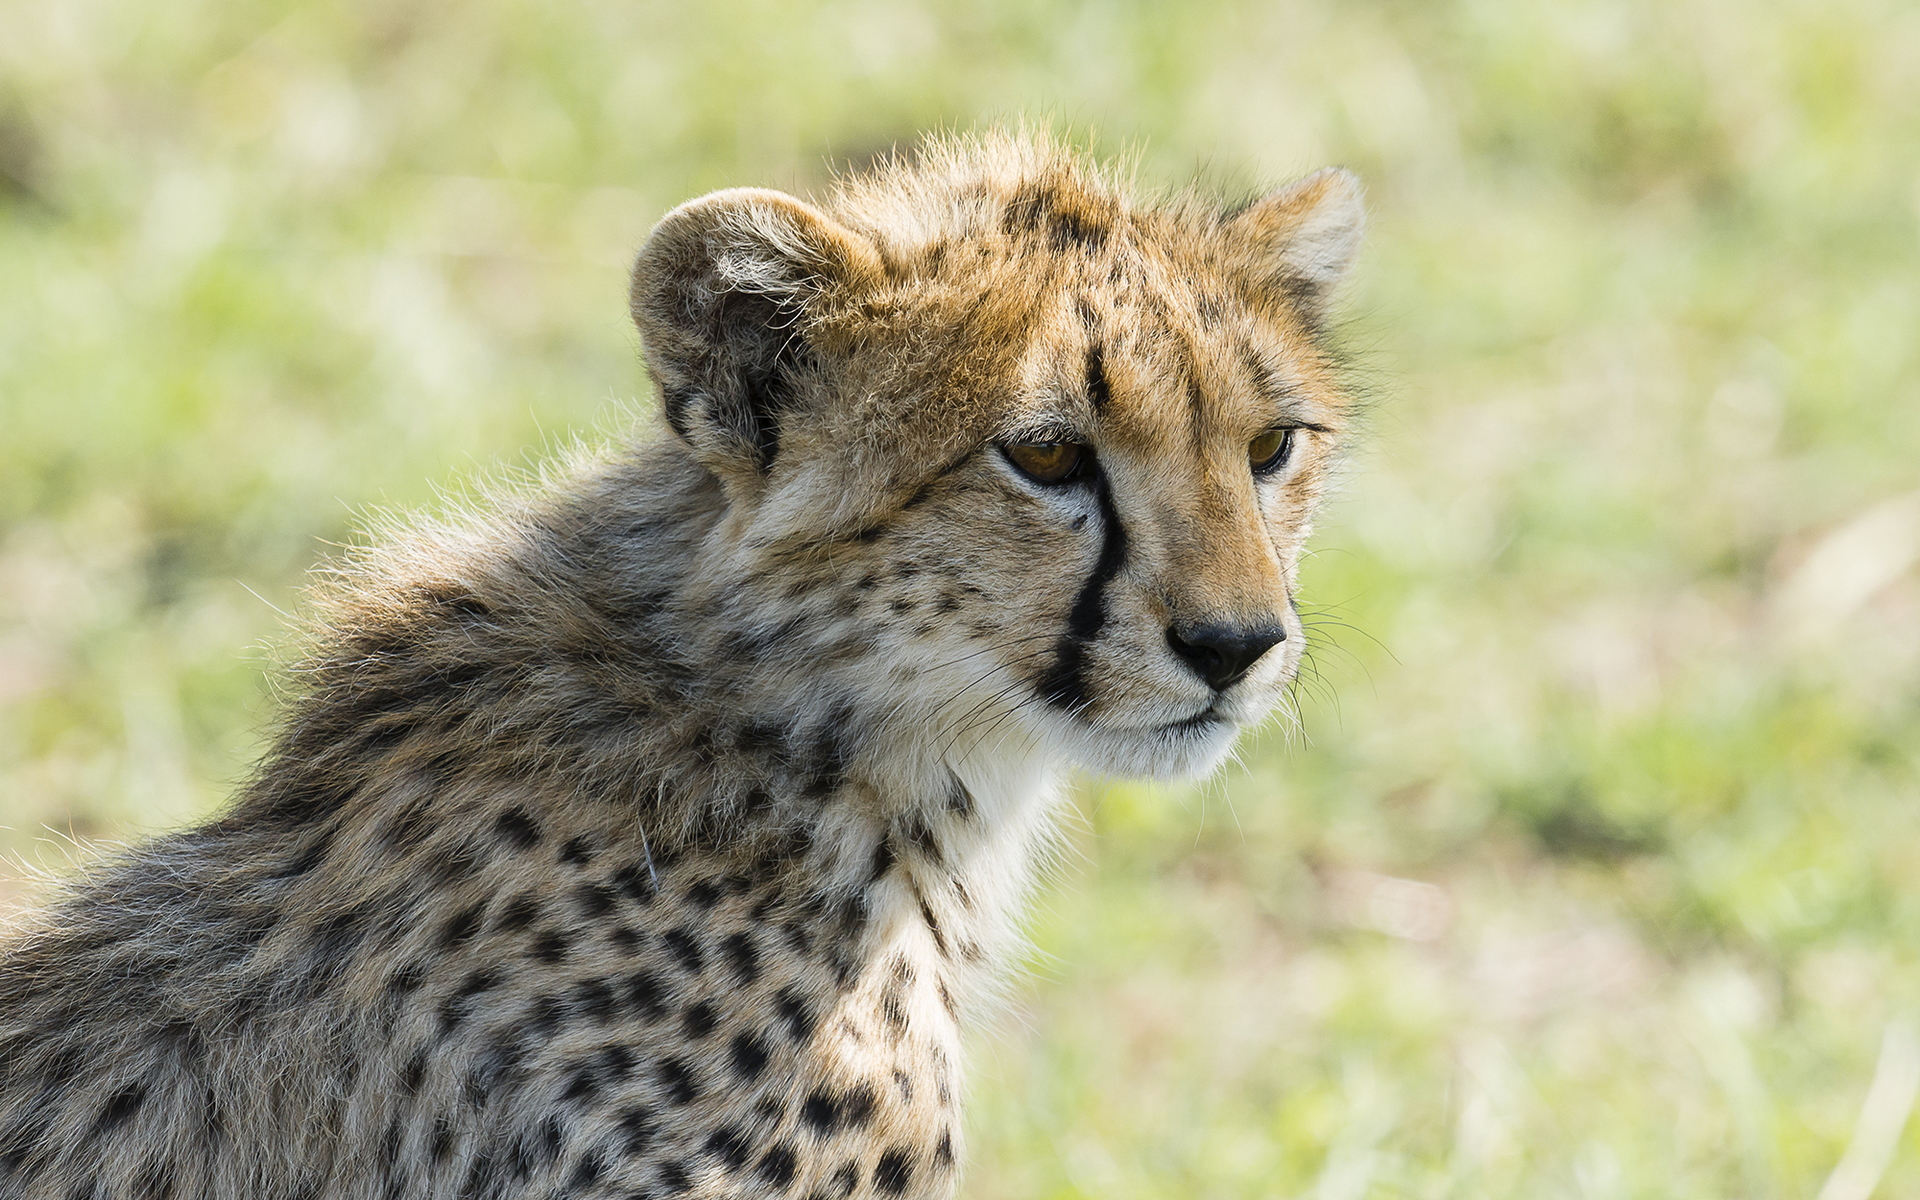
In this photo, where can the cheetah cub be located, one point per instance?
(658, 833)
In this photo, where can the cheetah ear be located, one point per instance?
(722, 293)
(1302, 238)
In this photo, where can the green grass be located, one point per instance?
(1591, 871)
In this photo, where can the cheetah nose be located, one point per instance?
(1223, 654)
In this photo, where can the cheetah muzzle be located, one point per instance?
(658, 832)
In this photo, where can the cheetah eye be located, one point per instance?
(1270, 451)
(1047, 462)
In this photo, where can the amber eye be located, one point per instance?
(1270, 451)
(1048, 462)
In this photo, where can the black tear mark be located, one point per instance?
(1064, 684)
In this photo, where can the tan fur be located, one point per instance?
(658, 832)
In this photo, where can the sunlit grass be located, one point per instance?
(1590, 871)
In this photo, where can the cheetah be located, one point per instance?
(659, 831)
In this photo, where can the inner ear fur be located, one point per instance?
(1301, 239)
(721, 294)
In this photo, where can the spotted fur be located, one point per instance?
(658, 832)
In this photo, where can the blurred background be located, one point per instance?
(1592, 866)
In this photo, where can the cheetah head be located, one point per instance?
(1025, 459)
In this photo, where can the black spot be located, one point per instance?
(462, 926)
(678, 1077)
(744, 958)
(959, 799)
(893, 1172)
(309, 856)
(540, 1146)
(821, 1111)
(335, 940)
(673, 1177)
(933, 927)
(581, 1085)
(704, 894)
(615, 1062)
(795, 1012)
(749, 1055)
(120, 1107)
(550, 946)
(730, 1146)
(519, 912)
(883, 859)
(457, 1006)
(636, 1128)
(777, 1165)
(588, 1170)
(407, 979)
(646, 994)
(516, 827)
(700, 1019)
(578, 850)
(922, 836)
(451, 864)
(892, 1009)
(685, 948)
(415, 1072)
(846, 1179)
(496, 1064)
(946, 998)
(943, 1153)
(1033, 210)
(595, 899)
(856, 1106)
(592, 998)
(545, 1014)
(625, 939)
(1099, 392)
(903, 1082)
(440, 1144)
(636, 880)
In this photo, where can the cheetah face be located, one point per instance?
(1052, 456)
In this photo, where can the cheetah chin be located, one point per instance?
(658, 830)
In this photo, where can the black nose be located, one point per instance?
(1223, 654)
